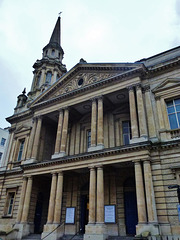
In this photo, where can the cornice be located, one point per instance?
(18, 116)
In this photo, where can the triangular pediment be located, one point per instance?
(83, 76)
(22, 128)
(167, 84)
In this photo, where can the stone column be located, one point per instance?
(58, 202)
(59, 132)
(160, 114)
(92, 195)
(133, 115)
(31, 139)
(100, 195)
(141, 112)
(55, 75)
(64, 131)
(141, 207)
(43, 75)
(100, 132)
(27, 200)
(93, 123)
(50, 217)
(37, 138)
(150, 198)
(150, 115)
(21, 202)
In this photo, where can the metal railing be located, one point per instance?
(59, 225)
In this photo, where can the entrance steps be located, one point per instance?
(120, 238)
(32, 237)
(72, 237)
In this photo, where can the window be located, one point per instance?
(48, 77)
(9, 202)
(3, 140)
(21, 146)
(126, 132)
(53, 52)
(1, 155)
(57, 77)
(88, 138)
(173, 110)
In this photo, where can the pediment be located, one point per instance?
(167, 84)
(22, 128)
(83, 76)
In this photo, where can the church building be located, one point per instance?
(94, 151)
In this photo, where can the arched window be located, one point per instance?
(53, 52)
(57, 77)
(48, 77)
(38, 80)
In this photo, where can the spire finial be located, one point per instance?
(60, 14)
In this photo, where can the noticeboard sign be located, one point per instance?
(109, 214)
(70, 215)
(178, 208)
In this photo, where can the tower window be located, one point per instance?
(46, 52)
(53, 52)
(57, 77)
(48, 77)
(1, 155)
(173, 110)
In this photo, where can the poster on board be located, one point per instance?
(70, 215)
(109, 214)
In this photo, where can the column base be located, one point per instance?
(24, 230)
(96, 231)
(48, 228)
(152, 228)
(137, 140)
(29, 161)
(95, 148)
(58, 155)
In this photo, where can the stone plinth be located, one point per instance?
(96, 231)
(56, 234)
(152, 228)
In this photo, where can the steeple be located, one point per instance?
(53, 49)
(50, 68)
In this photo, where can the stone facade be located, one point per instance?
(94, 150)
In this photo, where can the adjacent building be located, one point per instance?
(93, 150)
(4, 134)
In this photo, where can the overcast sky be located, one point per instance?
(96, 30)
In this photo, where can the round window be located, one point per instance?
(80, 82)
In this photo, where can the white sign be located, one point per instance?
(70, 215)
(109, 214)
(178, 208)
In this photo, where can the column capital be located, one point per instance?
(60, 173)
(91, 167)
(157, 98)
(146, 88)
(99, 166)
(53, 173)
(130, 88)
(138, 86)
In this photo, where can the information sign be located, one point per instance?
(70, 215)
(109, 214)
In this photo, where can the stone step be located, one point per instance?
(120, 238)
(73, 237)
(32, 237)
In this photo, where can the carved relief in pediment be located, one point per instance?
(82, 80)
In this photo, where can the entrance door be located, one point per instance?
(130, 205)
(83, 213)
(38, 214)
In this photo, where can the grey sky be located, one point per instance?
(98, 31)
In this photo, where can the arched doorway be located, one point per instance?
(130, 206)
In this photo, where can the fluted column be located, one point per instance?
(37, 138)
(141, 207)
(58, 201)
(133, 114)
(59, 132)
(27, 200)
(93, 123)
(21, 202)
(31, 139)
(150, 115)
(141, 112)
(100, 132)
(64, 131)
(50, 217)
(92, 195)
(100, 195)
(150, 198)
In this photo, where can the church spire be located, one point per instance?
(56, 35)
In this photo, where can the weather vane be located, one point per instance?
(60, 14)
